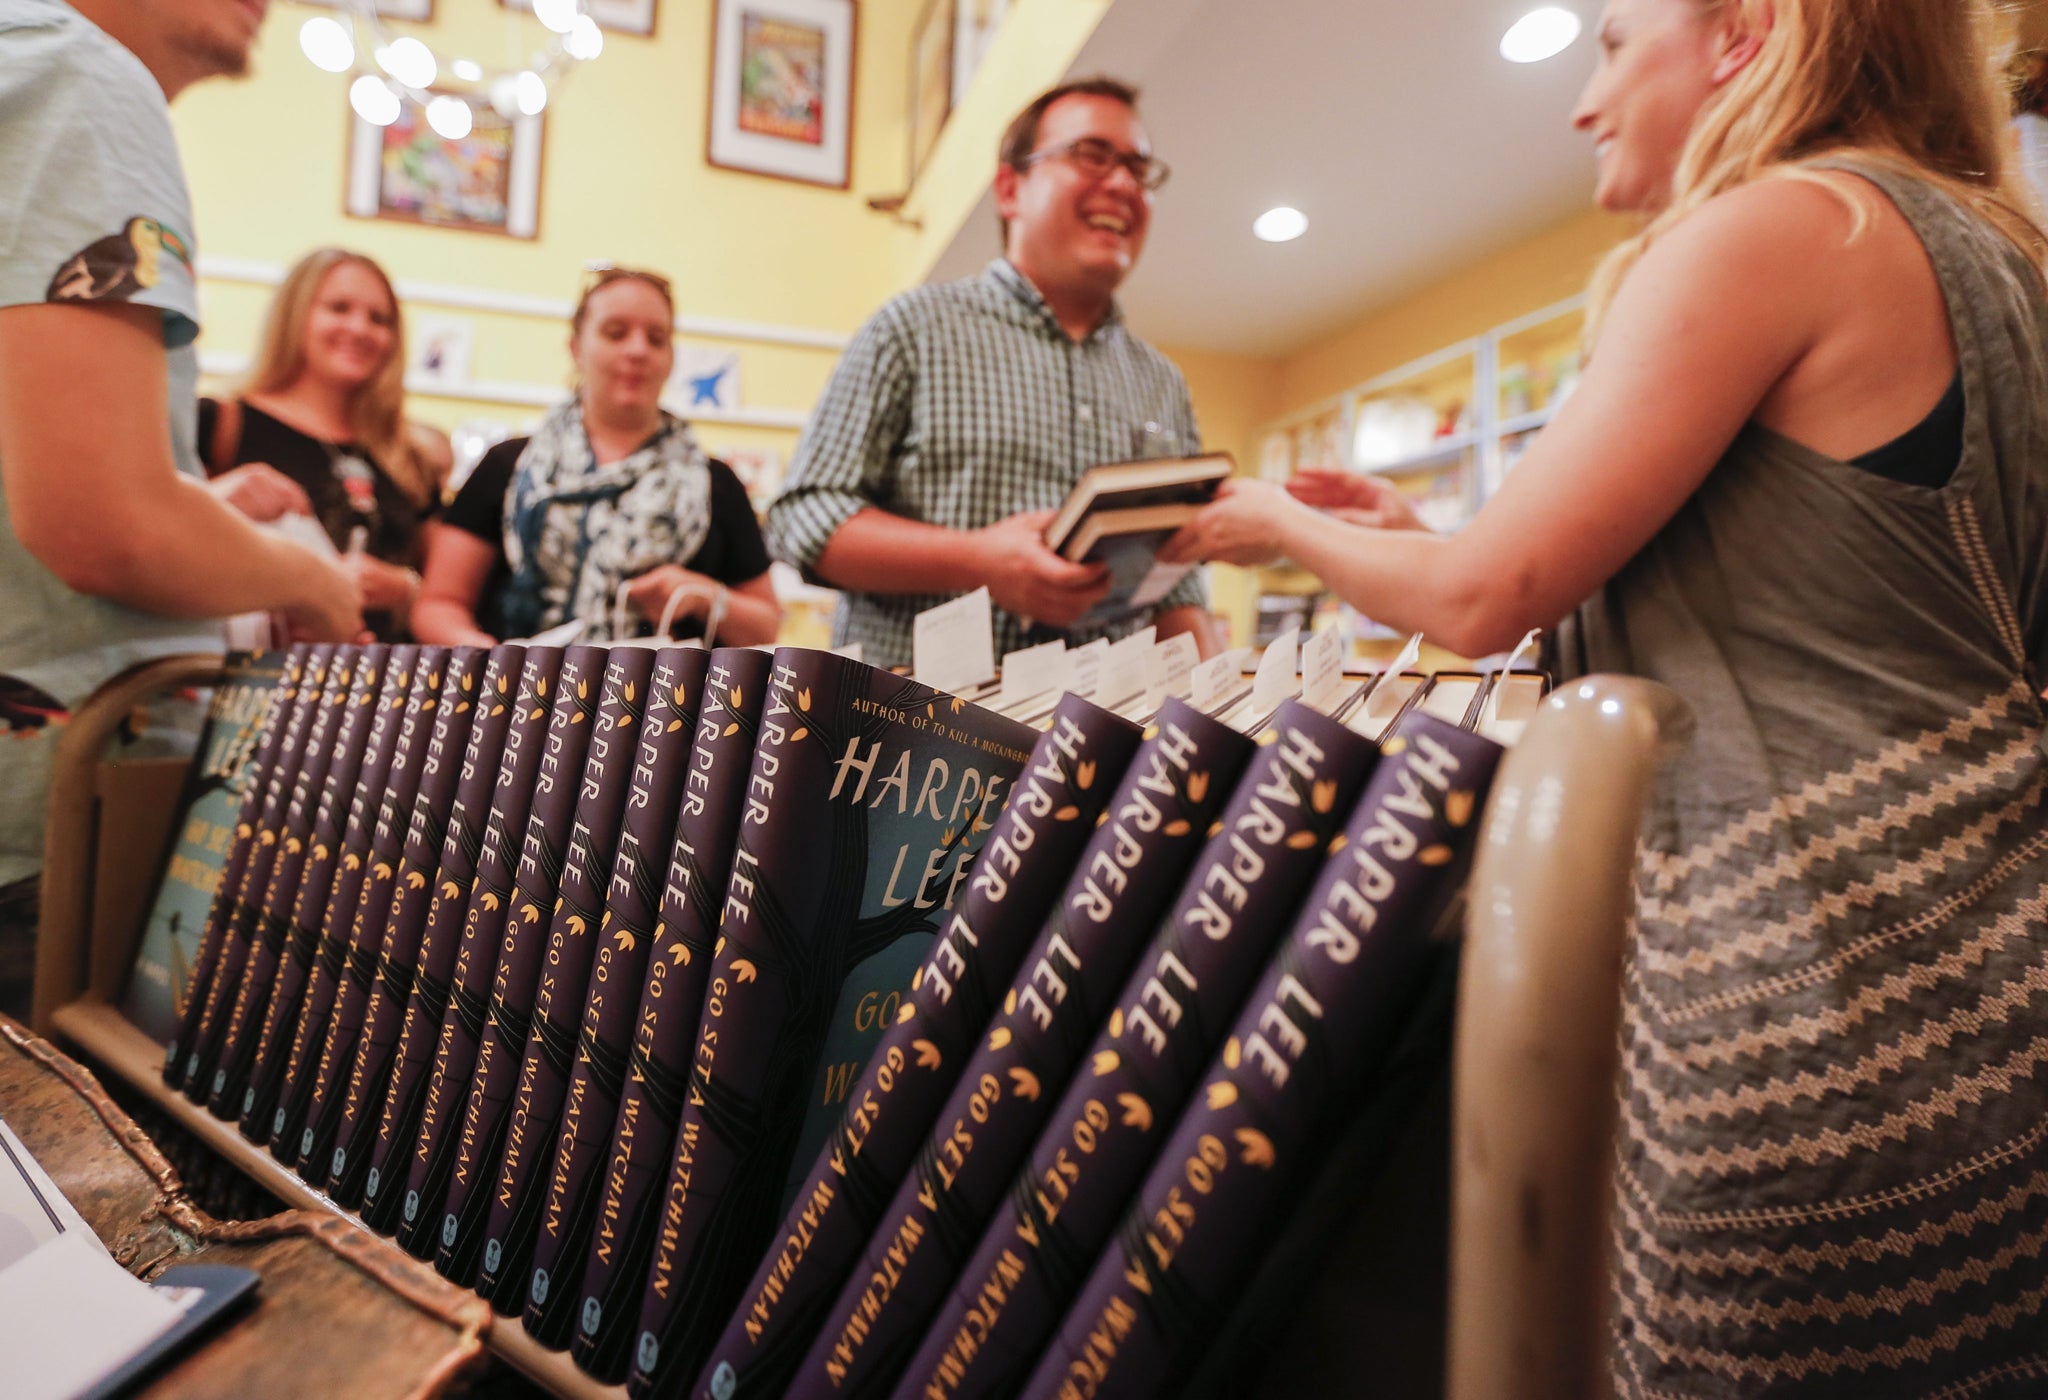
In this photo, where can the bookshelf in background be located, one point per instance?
(1446, 429)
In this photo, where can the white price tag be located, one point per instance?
(1215, 678)
(1170, 670)
(1085, 669)
(953, 646)
(1322, 666)
(1278, 675)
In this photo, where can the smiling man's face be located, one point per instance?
(1068, 227)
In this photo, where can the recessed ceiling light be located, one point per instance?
(1282, 225)
(1540, 34)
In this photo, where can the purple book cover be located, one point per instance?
(536, 888)
(261, 773)
(230, 938)
(380, 1122)
(568, 1184)
(432, 1148)
(1136, 862)
(357, 1079)
(1328, 1002)
(228, 1001)
(505, 1205)
(1180, 1000)
(1065, 786)
(665, 1019)
(376, 827)
(374, 677)
(869, 797)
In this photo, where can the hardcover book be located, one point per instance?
(262, 804)
(1052, 811)
(1118, 486)
(282, 1015)
(671, 999)
(300, 767)
(478, 1128)
(341, 1077)
(431, 1152)
(1329, 1000)
(222, 796)
(538, 991)
(1135, 864)
(869, 798)
(356, 918)
(381, 1123)
(1062, 1208)
(567, 1184)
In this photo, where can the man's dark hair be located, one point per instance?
(1020, 138)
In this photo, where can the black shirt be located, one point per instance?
(733, 551)
(322, 471)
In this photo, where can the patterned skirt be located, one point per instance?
(1832, 1174)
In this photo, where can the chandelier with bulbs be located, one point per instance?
(456, 91)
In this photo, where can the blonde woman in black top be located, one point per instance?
(323, 407)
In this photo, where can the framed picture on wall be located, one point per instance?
(487, 182)
(619, 16)
(421, 10)
(931, 79)
(782, 89)
(975, 24)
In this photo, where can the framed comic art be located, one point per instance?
(486, 182)
(619, 16)
(931, 79)
(782, 89)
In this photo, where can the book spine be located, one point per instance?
(503, 1210)
(869, 798)
(321, 701)
(380, 1123)
(374, 678)
(1062, 1208)
(666, 1016)
(357, 1079)
(220, 909)
(1065, 787)
(355, 915)
(536, 890)
(432, 1150)
(569, 1182)
(1134, 866)
(1329, 1000)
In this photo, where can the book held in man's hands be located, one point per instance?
(1121, 513)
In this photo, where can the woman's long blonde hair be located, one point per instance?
(1909, 84)
(377, 412)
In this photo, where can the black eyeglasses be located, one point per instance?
(1095, 158)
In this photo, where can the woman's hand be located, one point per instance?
(1356, 497)
(649, 593)
(261, 492)
(1243, 525)
(384, 587)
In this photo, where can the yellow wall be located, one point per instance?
(1547, 269)
(624, 179)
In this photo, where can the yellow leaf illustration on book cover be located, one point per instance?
(1323, 796)
(905, 1012)
(927, 1054)
(999, 1037)
(1458, 808)
(1105, 1062)
(1258, 1148)
(1222, 1094)
(743, 971)
(1137, 1113)
(1025, 1082)
(1301, 840)
(1084, 775)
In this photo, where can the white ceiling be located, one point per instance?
(1395, 125)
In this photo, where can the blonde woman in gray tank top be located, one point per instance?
(1805, 483)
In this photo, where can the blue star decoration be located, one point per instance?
(705, 388)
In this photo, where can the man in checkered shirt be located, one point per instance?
(963, 412)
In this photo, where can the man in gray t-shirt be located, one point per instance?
(112, 549)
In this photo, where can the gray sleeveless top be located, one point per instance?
(1833, 1160)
